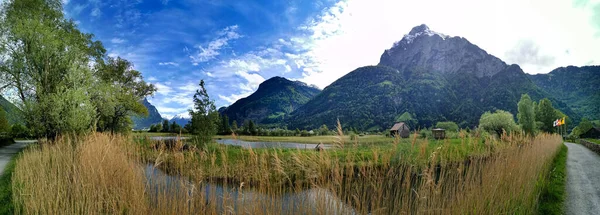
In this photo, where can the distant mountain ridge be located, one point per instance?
(13, 113)
(432, 76)
(578, 87)
(180, 119)
(274, 99)
(153, 117)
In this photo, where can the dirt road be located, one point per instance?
(583, 181)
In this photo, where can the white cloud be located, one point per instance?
(152, 78)
(211, 51)
(168, 63)
(163, 89)
(234, 97)
(352, 34)
(96, 12)
(117, 40)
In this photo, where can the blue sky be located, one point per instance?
(235, 45)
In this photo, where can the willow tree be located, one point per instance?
(46, 59)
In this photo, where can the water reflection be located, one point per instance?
(227, 198)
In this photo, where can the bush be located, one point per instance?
(498, 122)
(449, 126)
(19, 131)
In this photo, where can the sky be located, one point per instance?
(236, 45)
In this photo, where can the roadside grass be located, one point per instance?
(6, 187)
(553, 194)
(596, 141)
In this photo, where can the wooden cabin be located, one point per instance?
(593, 133)
(400, 129)
(438, 133)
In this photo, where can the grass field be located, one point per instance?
(597, 141)
(367, 139)
(553, 194)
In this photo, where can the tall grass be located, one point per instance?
(105, 174)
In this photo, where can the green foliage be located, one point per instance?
(224, 127)
(205, 118)
(6, 188)
(553, 194)
(449, 126)
(4, 126)
(498, 122)
(156, 127)
(526, 114)
(19, 131)
(546, 115)
(118, 93)
(165, 126)
(584, 126)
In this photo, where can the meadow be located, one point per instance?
(100, 173)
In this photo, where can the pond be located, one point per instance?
(286, 145)
(251, 144)
(228, 198)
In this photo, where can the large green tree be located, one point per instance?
(205, 118)
(545, 115)
(46, 60)
(526, 114)
(118, 94)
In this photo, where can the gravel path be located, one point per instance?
(583, 180)
(7, 152)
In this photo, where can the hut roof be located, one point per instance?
(397, 126)
(438, 129)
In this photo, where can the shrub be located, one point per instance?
(498, 122)
(449, 126)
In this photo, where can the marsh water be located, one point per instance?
(227, 198)
(252, 144)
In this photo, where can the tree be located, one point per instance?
(165, 126)
(175, 128)
(526, 114)
(498, 122)
(546, 115)
(234, 126)
(118, 95)
(224, 127)
(48, 66)
(449, 126)
(19, 131)
(251, 128)
(4, 126)
(205, 117)
(323, 130)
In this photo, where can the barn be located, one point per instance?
(400, 129)
(593, 133)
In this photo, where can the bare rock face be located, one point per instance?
(428, 50)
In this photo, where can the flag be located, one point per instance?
(563, 121)
(554, 123)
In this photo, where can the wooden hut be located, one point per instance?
(400, 129)
(438, 133)
(593, 133)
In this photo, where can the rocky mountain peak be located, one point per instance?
(431, 51)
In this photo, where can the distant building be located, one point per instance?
(438, 133)
(593, 133)
(401, 129)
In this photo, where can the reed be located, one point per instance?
(108, 174)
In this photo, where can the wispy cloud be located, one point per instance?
(168, 64)
(210, 51)
(117, 40)
(163, 89)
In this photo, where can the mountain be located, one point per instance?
(432, 76)
(578, 87)
(272, 101)
(13, 113)
(180, 119)
(153, 117)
